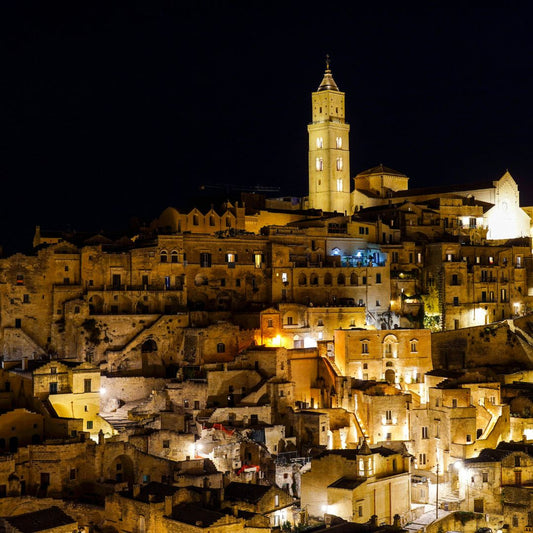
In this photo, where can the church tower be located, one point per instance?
(329, 150)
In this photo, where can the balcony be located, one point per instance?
(152, 287)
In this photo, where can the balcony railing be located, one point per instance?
(152, 287)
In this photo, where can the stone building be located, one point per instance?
(400, 356)
(302, 326)
(497, 483)
(461, 418)
(477, 285)
(358, 483)
(268, 501)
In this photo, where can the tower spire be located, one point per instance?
(328, 83)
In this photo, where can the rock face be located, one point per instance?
(497, 344)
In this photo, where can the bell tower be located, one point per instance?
(329, 149)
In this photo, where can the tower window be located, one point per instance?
(339, 163)
(319, 142)
(319, 164)
(339, 185)
(338, 142)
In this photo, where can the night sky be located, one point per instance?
(116, 111)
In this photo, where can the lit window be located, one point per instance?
(339, 163)
(231, 257)
(284, 277)
(338, 142)
(319, 163)
(319, 142)
(258, 259)
(339, 185)
(425, 433)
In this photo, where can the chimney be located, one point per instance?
(374, 520)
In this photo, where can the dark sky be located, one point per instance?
(119, 110)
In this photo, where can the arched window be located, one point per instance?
(327, 279)
(221, 347)
(302, 279)
(341, 280)
(353, 278)
(211, 220)
(163, 255)
(314, 279)
(174, 256)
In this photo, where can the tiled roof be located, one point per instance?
(246, 492)
(381, 169)
(444, 189)
(346, 483)
(42, 520)
(195, 515)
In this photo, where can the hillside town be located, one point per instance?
(359, 359)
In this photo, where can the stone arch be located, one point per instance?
(390, 376)
(149, 346)
(96, 305)
(341, 279)
(121, 469)
(125, 305)
(314, 279)
(390, 346)
(353, 279)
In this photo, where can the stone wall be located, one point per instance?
(128, 389)
(479, 346)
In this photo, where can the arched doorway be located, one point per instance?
(121, 470)
(390, 376)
